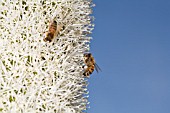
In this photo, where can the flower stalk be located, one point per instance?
(38, 76)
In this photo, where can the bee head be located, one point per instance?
(87, 55)
(48, 37)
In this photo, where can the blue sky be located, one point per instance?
(131, 44)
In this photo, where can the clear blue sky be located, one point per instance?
(131, 44)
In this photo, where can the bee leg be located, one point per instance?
(46, 38)
(50, 22)
(45, 32)
(59, 28)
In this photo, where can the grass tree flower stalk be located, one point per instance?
(38, 76)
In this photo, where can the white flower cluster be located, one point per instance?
(38, 76)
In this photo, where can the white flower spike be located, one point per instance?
(40, 76)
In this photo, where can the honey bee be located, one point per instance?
(91, 64)
(53, 31)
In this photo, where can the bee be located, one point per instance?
(91, 64)
(53, 31)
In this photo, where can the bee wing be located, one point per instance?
(97, 68)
